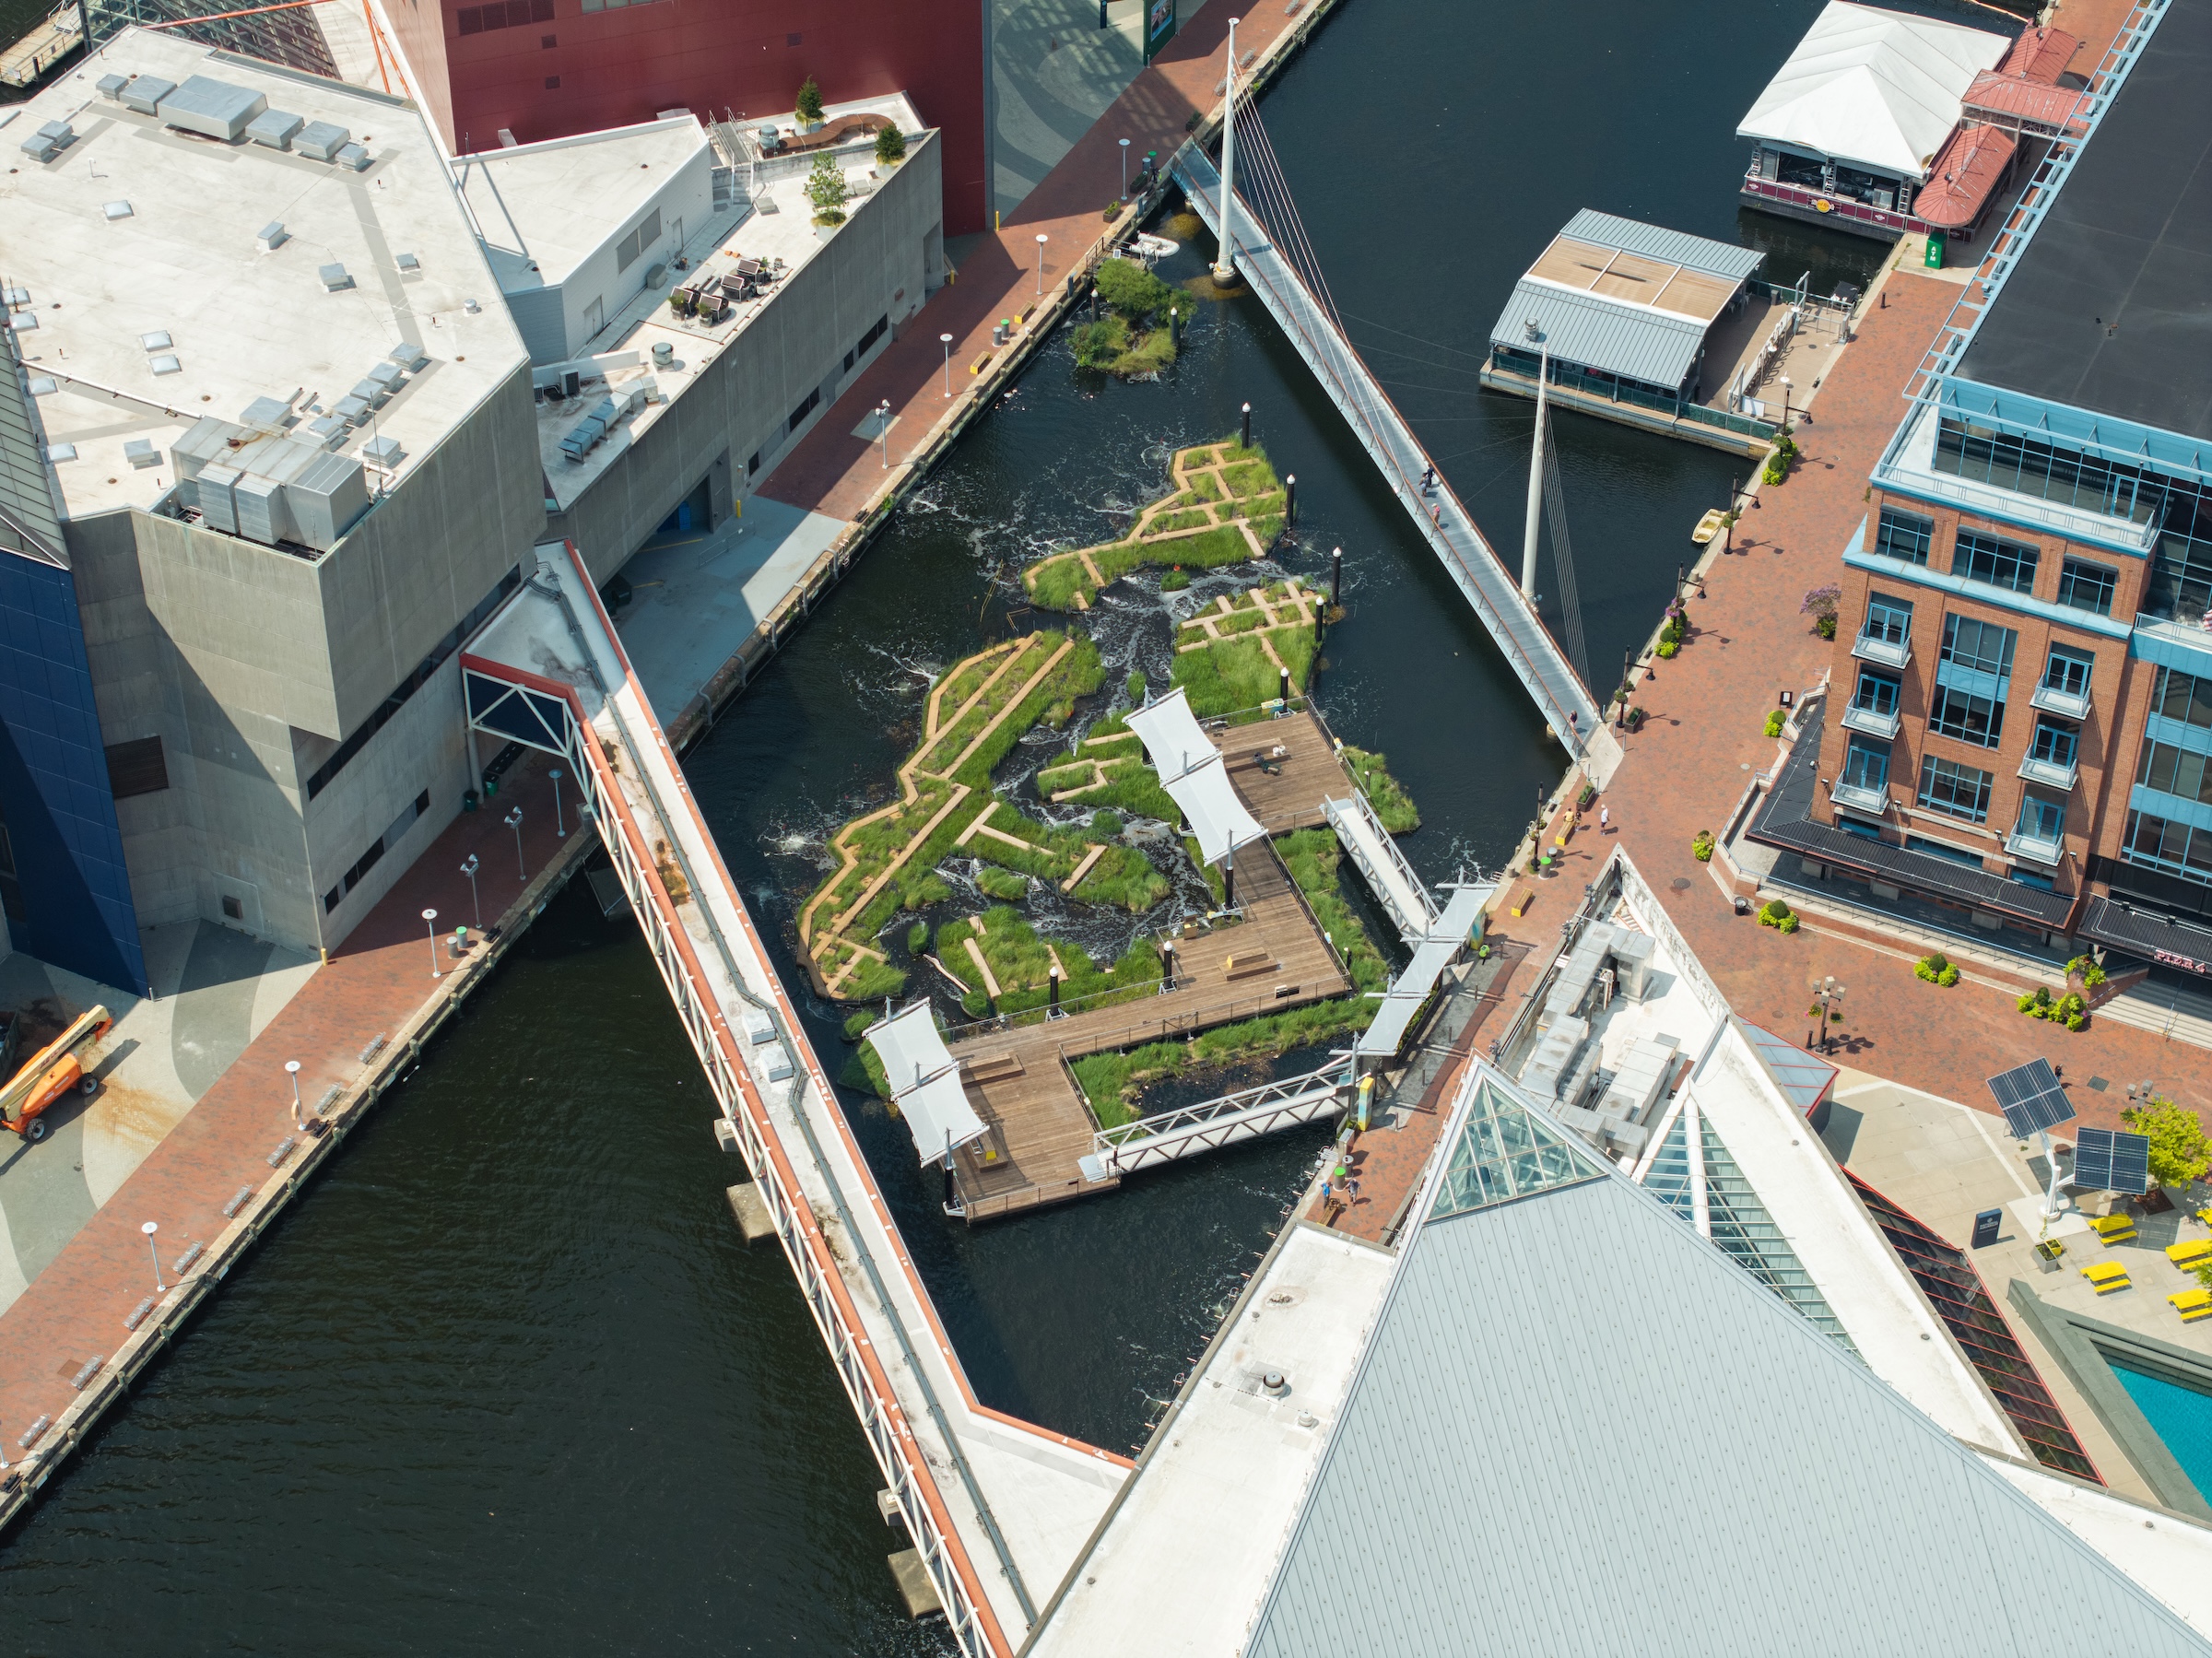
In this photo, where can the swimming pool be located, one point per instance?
(2180, 1415)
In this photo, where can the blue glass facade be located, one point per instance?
(67, 849)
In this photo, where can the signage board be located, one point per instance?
(1159, 25)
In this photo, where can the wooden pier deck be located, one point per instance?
(1276, 958)
(1284, 791)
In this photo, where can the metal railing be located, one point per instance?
(1567, 377)
(1838, 206)
(1243, 1115)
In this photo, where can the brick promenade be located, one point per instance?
(73, 1310)
(833, 472)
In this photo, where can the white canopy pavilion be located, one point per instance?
(925, 1083)
(1191, 770)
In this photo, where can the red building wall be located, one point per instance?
(552, 70)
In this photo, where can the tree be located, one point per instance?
(1133, 291)
(890, 146)
(826, 189)
(809, 106)
(2179, 1151)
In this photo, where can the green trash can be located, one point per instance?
(1934, 261)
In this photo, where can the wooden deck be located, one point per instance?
(1286, 792)
(1020, 1081)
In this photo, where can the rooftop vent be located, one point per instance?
(328, 431)
(372, 394)
(334, 277)
(352, 410)
(407, 262)
(384, 452)
(320, 140)
(112, 86)
(274, 128)
(141, 453)
(471, 307)
(60, 451)
(215, 109)
(409, 356)
(115, 210)
(508, 140)
(23, 321)
(267, 411)
(16, 296)
(41, 386)
(40, 148)
(145, 92)
(273, 236)
(166, 365)
(156, 341)
(352, 156)
(387, 375)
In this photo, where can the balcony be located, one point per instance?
(2029, 844)
(1890, 654)
(1872, 803)
(2067, 705)
(1875, 725)
(2051, 773)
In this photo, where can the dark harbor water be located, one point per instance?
(509, 1380)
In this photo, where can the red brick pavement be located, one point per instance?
(831, 471)
(374, 983)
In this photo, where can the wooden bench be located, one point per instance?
(992, 1068)
(1248, 967)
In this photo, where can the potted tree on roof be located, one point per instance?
(826, 189)
(890, 146)
(809, 107)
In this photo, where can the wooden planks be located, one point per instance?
(1285, 790)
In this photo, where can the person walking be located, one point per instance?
(1605, 820)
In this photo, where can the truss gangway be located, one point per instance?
(1543, 668)
(996, 1508)
(1208, 1126)
(1374, 852)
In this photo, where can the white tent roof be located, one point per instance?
(1191, 770)
(925, 1083)
(1877, 87)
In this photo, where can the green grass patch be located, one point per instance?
(1021, 962)
(1204, 487)
(1248, 478)
(1111, 347)
(1384, 793)
(858, 1022)
(1195, 518)
(871, 981)
(1175, 580)
(1003, 885)
(1312, 856)
(1110, 1081)
(1235, 673)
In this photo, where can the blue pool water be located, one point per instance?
(2181, 1416)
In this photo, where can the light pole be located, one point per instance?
(948, 339)
(469, 868)
(1786, 403)
(149, 1229)
(1041, 239)
(1125, 169)
(291, 1067)
(1828, 1002)
(513, 820)
(1225, 266)
(883, 430)
(429, 919)
(559, 829)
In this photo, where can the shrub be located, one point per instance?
(809, 105)
(975, 1004)
(1948, 977)
(1700, 848)
(826, 189)
(1820, 603)
(1935, 968)
(1135, 686)
(1778, 915)
(1133, 291)
(890, 146)
(917, 938)
(1106, 825)
(1776, 720)
(2085, 968)
(1666, 648)
(1826, 627)
(1175, 580)
(2179, 1151)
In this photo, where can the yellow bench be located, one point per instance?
(2189, 1254)
(2106, 1277)
(2192, 1304)
(2114, 1228)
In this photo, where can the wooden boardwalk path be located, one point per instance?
(1284, 791)
(1019, 1079)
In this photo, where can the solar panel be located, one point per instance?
(2031, 1098)
(2109, 1159)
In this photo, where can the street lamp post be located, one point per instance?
(513, 820)
(883, 430)
(429, 919)
(1735, 490)
(1041, 239)
(1225, 263)
(291, 1067)
(1828, 1002)
(470, 867)
(1125, 169)
(560, 829)
(946, 338)
(149, 1229)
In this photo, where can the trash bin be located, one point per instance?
(1934, 261)
(469, 800)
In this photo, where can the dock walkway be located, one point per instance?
(1018, 1077)
(1283, 791)
(1534, 656)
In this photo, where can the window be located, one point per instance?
(1877, 692)
(136, 768)
(2042, 819)
(1944, 850)
(2088, 587)
(1903, 536)
(2173, 847)
(510, 13)
(2068, 671)
(2172, 771)
(1866, 764)
(2056, 743)
(882, 325)
(798, 416)
(753, 466)
(2032, 466)
(647, 232)
(1978, 647)
(2008, 564)
(2183, 697)
(1888, 619)
(1964, 715)
(1958, 791)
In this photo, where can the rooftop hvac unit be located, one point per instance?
(216, 109)
(320, 140)
(112, 86)
(326, 499)
(371, 392)
(207, 441)
(273, 236)
(145, 92)
(408, 356)
(40, 148)
(141, 453)
(329, 430)
(385, 452)
(388, 376)
(352, 410)
(352, 156)
(267, 411)
(211, 492)
(335, 277)
(275, 128)
(261, 516)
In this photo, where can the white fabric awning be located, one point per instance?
(925, 1083)
(1191, 771)
(1876, 88)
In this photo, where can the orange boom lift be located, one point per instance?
(52, 1071)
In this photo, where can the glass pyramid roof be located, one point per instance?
(1506, 1151)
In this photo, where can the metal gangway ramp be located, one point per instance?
(997, 1507)
(1374, 852)
(1534, 656)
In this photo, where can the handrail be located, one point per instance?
(1338, 1071)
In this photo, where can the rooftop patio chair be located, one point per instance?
(2114, 1228)
(2106, 1277)
(2192, 1304)
(2188, 1254)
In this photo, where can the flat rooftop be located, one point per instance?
(543, 208)
(2107, 308)
(137, 232)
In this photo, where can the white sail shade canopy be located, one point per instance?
(925, 1083)
(1191, 771)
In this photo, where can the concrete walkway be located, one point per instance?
(1054, 73)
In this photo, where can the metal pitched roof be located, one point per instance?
(1635, 341)
(1802, 1078)
(1656, 242)
(1587, 1432)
